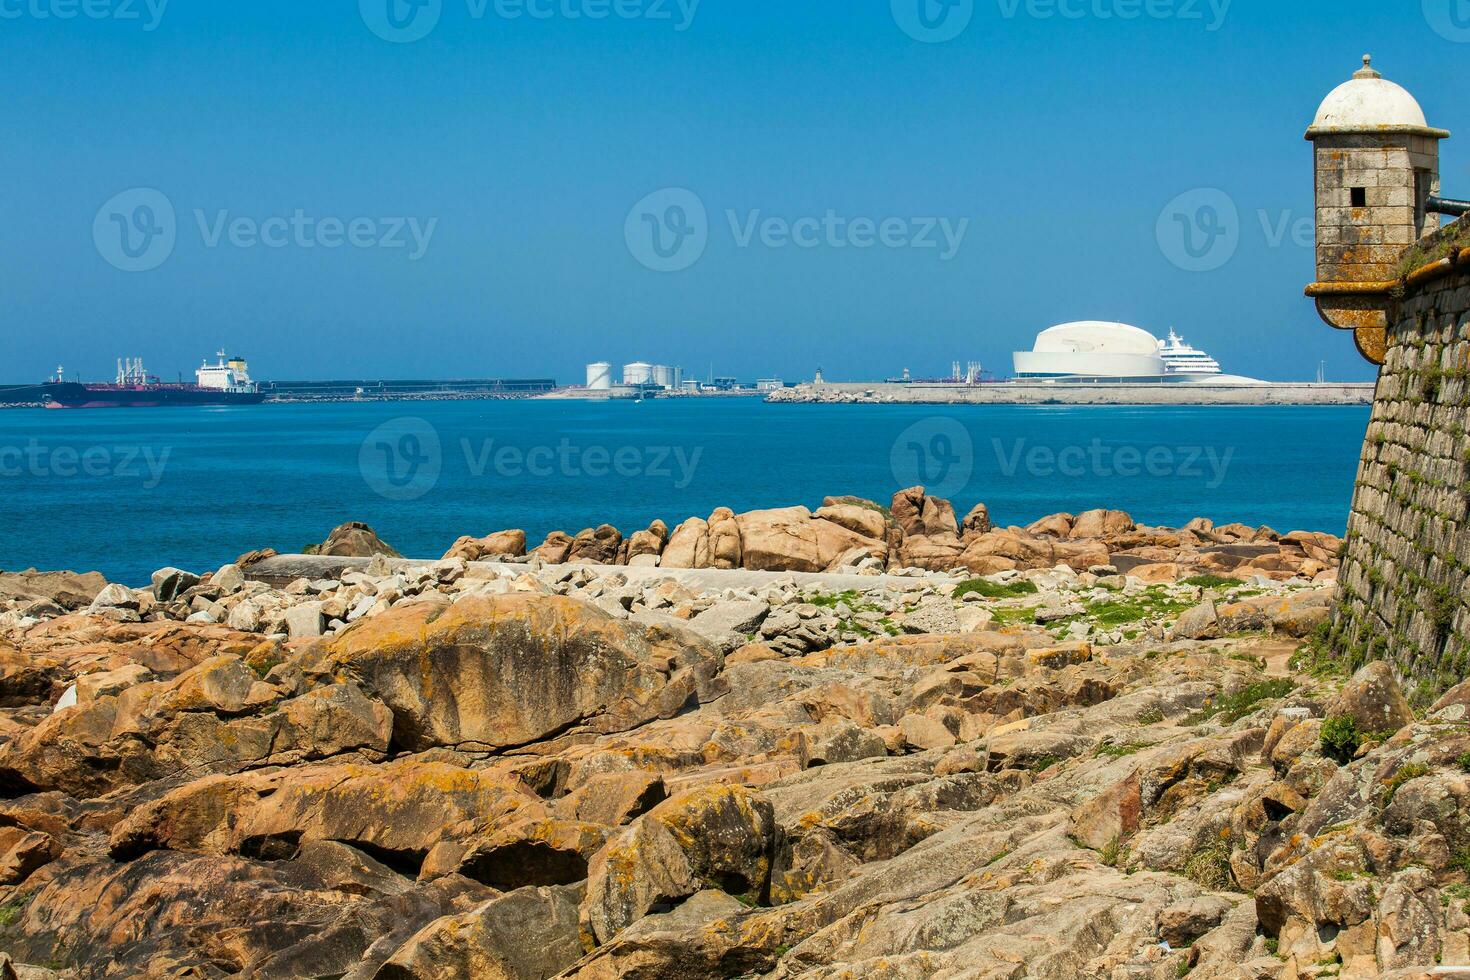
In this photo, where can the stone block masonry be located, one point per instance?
(1405, 586)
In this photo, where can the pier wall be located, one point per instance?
(1406, 569)
(1022, 393)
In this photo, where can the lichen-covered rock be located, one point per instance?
(502, 671)
(720, 837)
(528, 933)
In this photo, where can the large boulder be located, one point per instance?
(689, 546)
(790, 539)
(69, 590)
(353, 540)
(1101, 523)
(715, 837)
(501, 544)
(726, 540)
(866, 521)
(528, 933)
(555, 549)
(494, 672)
(649, 542)
(597, 546)
(1374, 700)
(920, 514)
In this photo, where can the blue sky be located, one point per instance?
(480, 186)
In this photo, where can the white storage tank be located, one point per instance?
(663, 376)
(637, 373)
(599, 376)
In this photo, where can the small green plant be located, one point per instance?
(996, 590)
(1463, 761)
(1234, 707)
(1412, 770)
(1152, 716)
(1119, 751)
(1273, 945)
(1110, 852)
(1341, 738)
(1210, 867)
(10, 912)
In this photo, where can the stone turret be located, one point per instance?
(1377, 165)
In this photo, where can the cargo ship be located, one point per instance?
(224, 383)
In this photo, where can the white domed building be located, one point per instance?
(1105, 351)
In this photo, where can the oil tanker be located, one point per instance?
(226, 382)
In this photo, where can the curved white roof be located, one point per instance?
(1370, 103)
(1096, 336)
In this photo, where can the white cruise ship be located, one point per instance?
(1180, 358)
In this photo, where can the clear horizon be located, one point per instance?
(469, 190)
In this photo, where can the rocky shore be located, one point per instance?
(1080, 749)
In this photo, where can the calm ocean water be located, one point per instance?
(127, 491)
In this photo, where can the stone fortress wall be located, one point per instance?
(1406, 567)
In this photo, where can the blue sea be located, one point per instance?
(129, 490)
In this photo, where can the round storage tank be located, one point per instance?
(599, 376)
(637, 373)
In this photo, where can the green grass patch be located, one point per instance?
(1236, 706)
(1150, 605)
(996, 590)
(1210, 581)
(1210, 867)
(1152, 716)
